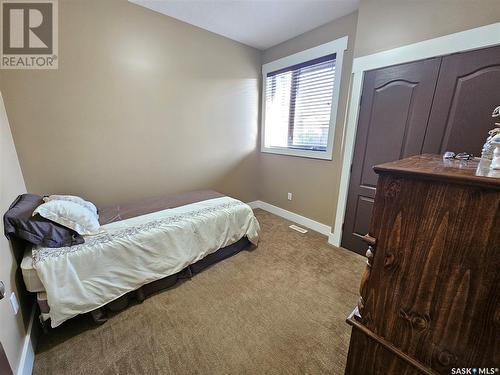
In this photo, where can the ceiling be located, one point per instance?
(257, 23)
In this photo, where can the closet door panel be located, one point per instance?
(468, 90)
(392, 123)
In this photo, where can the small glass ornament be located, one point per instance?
(495, 163)
(487, 153)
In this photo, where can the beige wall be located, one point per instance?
(141, 105)
(12, 331)
(314, 183)
(386, 24)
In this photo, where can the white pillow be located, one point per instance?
(69, 214)
(74, 199)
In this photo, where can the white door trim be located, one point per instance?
(484, 36)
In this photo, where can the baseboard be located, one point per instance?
(292, 216)
(254, 204)
(28, 354)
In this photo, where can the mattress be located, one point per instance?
(111, 214)
(30, 277)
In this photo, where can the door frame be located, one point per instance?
(480, 37)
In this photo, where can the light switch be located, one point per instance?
(14, 303)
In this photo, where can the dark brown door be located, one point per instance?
(395, 107)
(468, 90)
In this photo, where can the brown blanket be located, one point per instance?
(126, 211)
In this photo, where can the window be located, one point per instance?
(300, 94)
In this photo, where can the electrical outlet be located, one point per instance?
(14, 304)
(289, 196)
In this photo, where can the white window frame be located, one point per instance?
(338, 46)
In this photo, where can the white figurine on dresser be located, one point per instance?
(491, 149)
(495, 162)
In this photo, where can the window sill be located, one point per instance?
(321, 155)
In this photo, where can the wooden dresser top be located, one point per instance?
(470, 172)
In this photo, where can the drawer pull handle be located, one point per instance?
(369, 239)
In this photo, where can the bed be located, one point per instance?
(141, 248)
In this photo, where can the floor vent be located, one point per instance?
(298, 229)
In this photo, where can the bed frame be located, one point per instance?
(100, 315)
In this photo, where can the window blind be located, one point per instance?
(298, 105)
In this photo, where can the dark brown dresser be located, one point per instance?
(430, 294)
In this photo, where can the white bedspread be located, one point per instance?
(136, 251)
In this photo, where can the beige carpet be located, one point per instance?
(279, 309)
